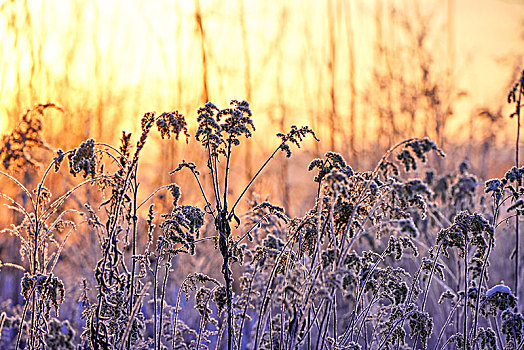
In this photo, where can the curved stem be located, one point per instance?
(393, 328)
(22, 187)
(426, 292)
(240, 332)
(232, 211)
(441, 333)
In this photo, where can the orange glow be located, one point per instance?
(114, 61)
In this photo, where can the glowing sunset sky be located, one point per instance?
(152, 51)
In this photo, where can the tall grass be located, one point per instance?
(396, 257)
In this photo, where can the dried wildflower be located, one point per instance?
(174, 189)
(271, 209)
(125, 144)
(202, 297)
(466, 229)
(512, 328)
(419, 147)
(220, 298)
(273, 242)
(59, 335)
(191, 281)
(517, 206)
(420, 325)
(332, 161)
(428, 264)
(495, 186)
(182, 226)
(458, 339)
(498, 298)
(218, 129)
(50, 289)
(464, 189)
(514, 175)
(45, 195)
(191, 166)
(83, 159)
(408, 160)
(408, 227)
(237, 121)
(295, 136)
(58, 159)
(27, 135)
(413, 193)
(209, 132)
(487, 339)
(147, 121)
(446, 295)
(174, 123)
(393, 330)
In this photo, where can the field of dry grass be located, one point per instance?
(397, 256)
(351, 204)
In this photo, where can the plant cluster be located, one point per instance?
(363, 268)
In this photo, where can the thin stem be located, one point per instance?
(155, 297)
(321, 332)
(361, 290)
(232, 211)
(226, 177)
(134, 219)
(477, 306)
(133, 313)
(23, 188)
(208, 204)
(517, 250)
(245, 308)
(26, 306)
(393, 328)
(162, 297)
(448, 320)
(465, 331)
(431, 278)
(216, 190)
(269, 283)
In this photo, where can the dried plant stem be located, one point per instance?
(393, 328)
(477, 304)
(112, 225)
(268, 285)
(155, 297)
(232, 211)
(352, 323)
(34, 269)
(224, 230)
(426, 291)
(133, 313)
(162, 298)
(466, 282)
(324, 323)
(517, 233)
(244, 313)
(134, 219)
(26, 306)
